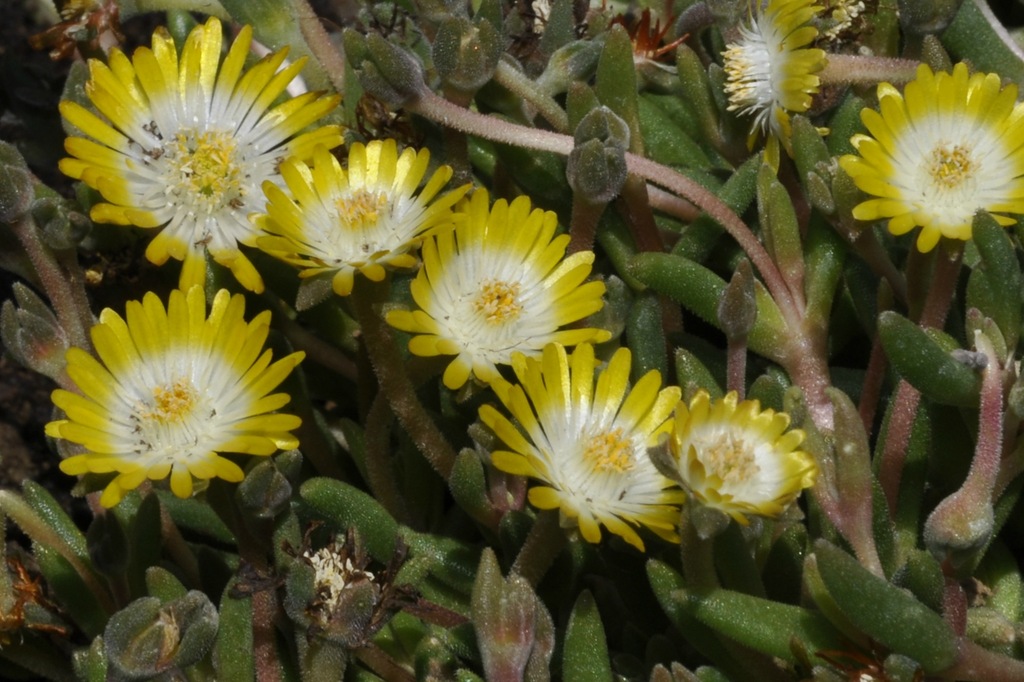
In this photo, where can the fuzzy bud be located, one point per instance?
(921, 17)
(15, 184)
(31, 333)
(147, 638)
(597, 164)
(514, 630)
(737, 309)
(265, 492)
(467, 52)
(387, 71)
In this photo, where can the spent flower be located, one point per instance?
(587, 441)
(360, 219)
(732, 456)
(171, 389)
(951, 145)
(500, 283)
(185, 143)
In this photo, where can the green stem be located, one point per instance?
(331, 59)
(516, 82)
(57, 282)
(897, 440)
(175, 545)
(380, 470)
(978, 664)
(583, 228)
(389, 367)
(544, 542)
(317, 350)
(444, 112)
(698, 555)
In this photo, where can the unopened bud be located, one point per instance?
(31, 333)
(59, 226)
(513, 628)
(920, 17)
(597, 164)
(737, 309)
(572, 63)
(147, 638)
(15, 184)
(265, 492)
(387, 71)
(467, 52)
(959, 526)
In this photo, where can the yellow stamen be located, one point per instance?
(173, 402)
(610, 451)
(728, 458)
(361, 210)
(206, 164)
(950, 167)
(498, 301)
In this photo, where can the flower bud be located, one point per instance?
(31, 333)
(387, 71)
(572, 63)
(147, 638)
(597, 164)
(60, 227)
(737, 308)
(264, 492)
(514, 630)
(466, 53)
(991, 629)
(959, 526)
(15, 184)
(920, 17)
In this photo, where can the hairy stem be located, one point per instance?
(522, 86)
(545, 540)
(389, 367)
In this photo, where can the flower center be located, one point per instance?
(498, 302)
(205, 164)
(361, 209)
(949, 167)
(610, 451)
(728, 458)
(173, 402)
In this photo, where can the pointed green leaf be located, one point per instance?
(925, 364)
(896, 619)
(585, 657)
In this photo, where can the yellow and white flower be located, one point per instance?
(362, 219)
(951, 145)
(770, 72)
(185, 143)
(500, 283)
(732, 456)
(171, 389)
(588, 442)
